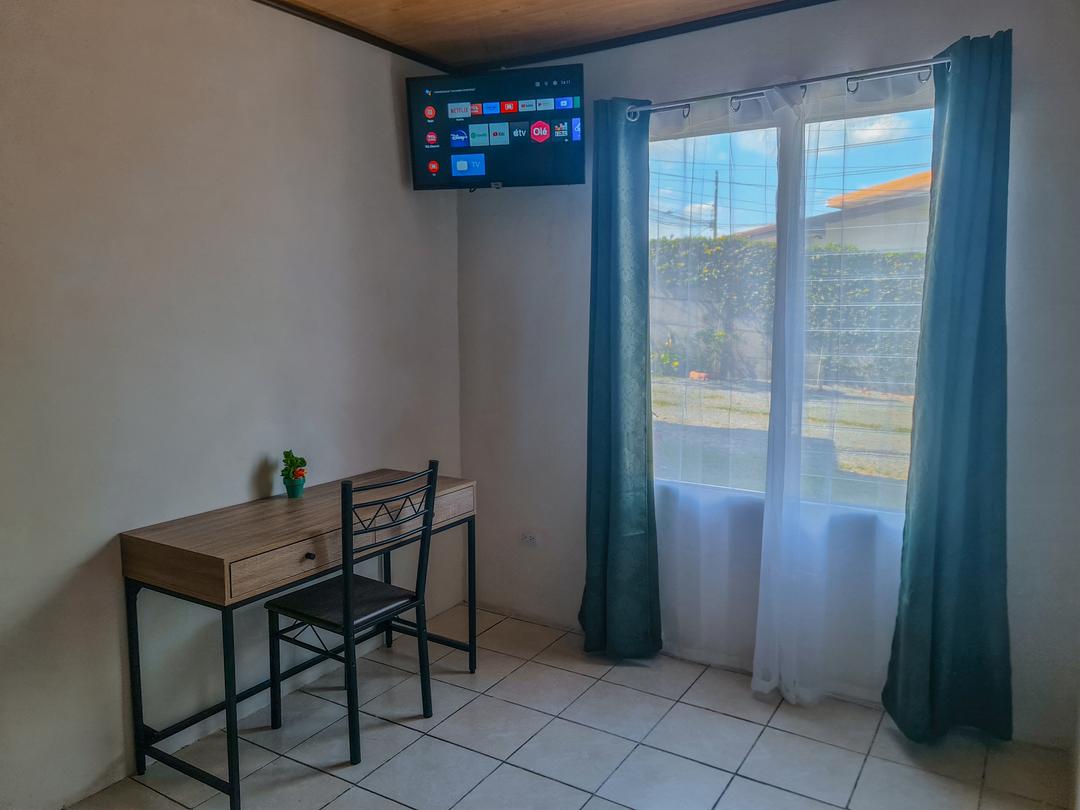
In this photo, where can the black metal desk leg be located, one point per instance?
(131, 601)
(231, 727)
(472, 593)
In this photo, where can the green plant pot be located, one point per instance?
(294, 487)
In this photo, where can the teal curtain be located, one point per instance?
(620, 610)
(950, 652)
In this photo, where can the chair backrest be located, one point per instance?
(385, 516)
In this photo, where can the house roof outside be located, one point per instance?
(890, 190)
(869, 200)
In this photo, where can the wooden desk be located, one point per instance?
(237, 555)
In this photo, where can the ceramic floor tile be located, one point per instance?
(359, 799)
(126, 795)
(329, 749)
(730, 693)
(302, 715)
(656, 780)
(1043, 774)
(622, 711)
(742, 794)
(511, 787)
(575, 754)
(596, 803)
(518, 638)
(491, 667)
(455, 622)
(996, 800)
(960, 755)
(403, 703)
(707, 736)
(372, 679)
(662, 675)
(803, 766)
(888, 786)
(403, 655)
(210, 754)
(490, 726)
(836, 722)
(569, 653)
(541, 687)
(430, 774)
(283, 785)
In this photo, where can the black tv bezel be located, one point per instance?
(495, 184)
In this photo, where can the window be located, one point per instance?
(712, 271)
(710, 305)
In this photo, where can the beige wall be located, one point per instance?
(209, 251)
(524, 277)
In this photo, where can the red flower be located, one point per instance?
(299, 473)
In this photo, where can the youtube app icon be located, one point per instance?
(540, 131)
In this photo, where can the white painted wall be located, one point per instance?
(524, 288)
(209, 251)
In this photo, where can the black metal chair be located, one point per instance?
(400, 514)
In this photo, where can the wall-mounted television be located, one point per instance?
(503, 128)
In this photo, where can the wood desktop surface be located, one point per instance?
(237, 552)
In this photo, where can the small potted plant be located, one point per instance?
(293, 473)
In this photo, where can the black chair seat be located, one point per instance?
(321, 604)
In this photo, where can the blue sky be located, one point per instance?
(842, 156)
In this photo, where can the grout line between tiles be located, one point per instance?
(349, 787)
(862, 765)
(615, 770)
(166, 796)
(788, 791)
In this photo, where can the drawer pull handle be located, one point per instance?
(310, 555)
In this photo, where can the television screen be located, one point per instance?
(505, 128)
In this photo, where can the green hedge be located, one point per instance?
(863, 310)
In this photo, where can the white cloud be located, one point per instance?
(698, 211)
(758, 141)
(667, 150)
(879, 128)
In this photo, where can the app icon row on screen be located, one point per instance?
(469, 109)
(502, 133)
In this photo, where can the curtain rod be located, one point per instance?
(853, 78)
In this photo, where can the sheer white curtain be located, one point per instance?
(788, 232)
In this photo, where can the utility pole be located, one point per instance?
(715, 199)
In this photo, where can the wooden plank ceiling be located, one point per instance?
(463, 33)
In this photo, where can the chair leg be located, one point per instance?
(388, 634)
(275, 670)
(352, 693)
(425, 666)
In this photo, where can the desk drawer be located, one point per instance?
(293, 562)
(286, 564)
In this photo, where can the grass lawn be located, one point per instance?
(856, 442)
